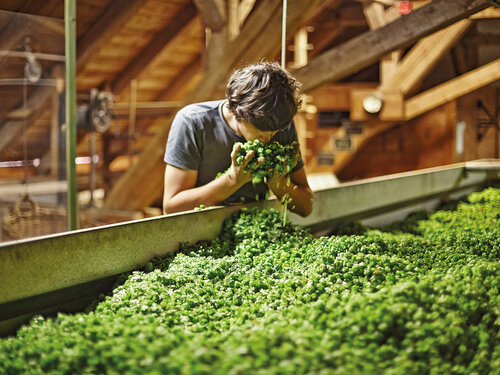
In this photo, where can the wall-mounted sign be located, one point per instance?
(324, 158)
(352, 127)
(332, 119)
(342, 143)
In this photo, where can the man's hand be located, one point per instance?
(282, 178)
(237, 171)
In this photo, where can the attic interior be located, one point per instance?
(384, 91)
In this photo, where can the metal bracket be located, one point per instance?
(484, 125)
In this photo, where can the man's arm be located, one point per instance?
(300, 194)
(180, 193)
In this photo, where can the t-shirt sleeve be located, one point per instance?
(183, 149)
(290, 136)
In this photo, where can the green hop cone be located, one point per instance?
(277, 158)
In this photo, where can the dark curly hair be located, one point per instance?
(263, 95)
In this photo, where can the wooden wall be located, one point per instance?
(426, 141)
(481, 137)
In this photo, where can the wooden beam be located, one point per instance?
(116, 15)
(377, 18)
(375, 15)
(458, 56)
(366, 49)
(452, 89)
(12, 130)
(344, 157)
(423, 57)
(250, 32)
(300, 48)
(490, 39)
(233, 26)
(178, 23)
(269, 42)
(491, 12)
(325, 40)
(143, 183)
(183, 79)
(244, 9)
(212, 13)
(21, 25)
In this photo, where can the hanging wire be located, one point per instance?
(25, 135)
(283, 35)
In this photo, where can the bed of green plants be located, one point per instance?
(265, 297)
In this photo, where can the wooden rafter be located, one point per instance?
(410, 72)
(21, 25)
(238, 11)
(423, 57)
(344, 157)
(13, 129)
(268, 42)
(213, 13)
(244, 9)
(491, 12)
(142, 183)
(189, 73)
(116, 15)
(250, 32)
(184, 78)
(376, 18)
(179, 22)
(233, 26)
(121, 11)
(483, 39)
(366, 49)
(452, 89)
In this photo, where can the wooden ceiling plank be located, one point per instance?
(323, 7)
(423, 57)
(452, 89)
(116, 15)
(142, 183)
(178, 23)
(217, 72)
(13, 130)
(183, 79)
(362, 51)
(212, 13)
(268, 42)
(20, 26)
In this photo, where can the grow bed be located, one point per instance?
(265, 297)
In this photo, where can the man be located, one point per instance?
(261, 101)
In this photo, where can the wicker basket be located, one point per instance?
(33, 221)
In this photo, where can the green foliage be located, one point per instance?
(266, 297)
(277, 158)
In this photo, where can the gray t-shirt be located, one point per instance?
(200, 139)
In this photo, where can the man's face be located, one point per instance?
(251, 133)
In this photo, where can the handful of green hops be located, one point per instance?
(277, 158)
